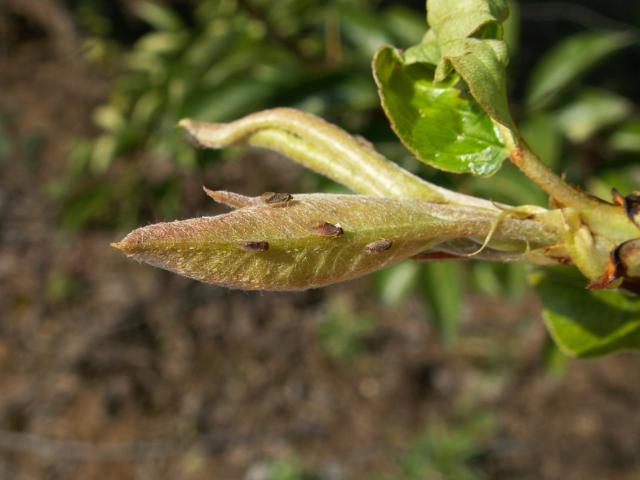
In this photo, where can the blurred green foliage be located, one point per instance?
(225, 59)
(441, 451)
(220, 59)
(444, 451)
(289, 470)
(342, 332)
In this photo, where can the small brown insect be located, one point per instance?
(276, 199)
(328, 229)
(259, 246)
(378, 246)
(630, 203)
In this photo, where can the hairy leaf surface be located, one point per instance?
(312, 240)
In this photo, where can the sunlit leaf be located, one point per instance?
(469, 35)
(437, 123)
(158, 16)
(395, 284)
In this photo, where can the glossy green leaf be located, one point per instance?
(437, 123)
(469, 35)
(586, 323)
(568, 61)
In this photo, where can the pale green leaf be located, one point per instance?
(437, 123)
(427, 51)
(158, 16)
(568, 61)
(591, 111)
(394, 284)
(587, 323)
(627, 137)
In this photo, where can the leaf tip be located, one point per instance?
(186, 124)
(230, 199)
(122, 245)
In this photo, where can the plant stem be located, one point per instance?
(527, 161)
(603, 218)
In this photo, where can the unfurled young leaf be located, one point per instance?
(469, 36)
(445, 122)
(314, 240)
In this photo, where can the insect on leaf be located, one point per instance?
(313, 240)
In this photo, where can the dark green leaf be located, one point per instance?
(587, 323)
(542, 134)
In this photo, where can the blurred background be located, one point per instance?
(114, 370)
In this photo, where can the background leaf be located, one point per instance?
(443, 292)
(586, 323)
(591, 111)
(627, 137)
(570, 60)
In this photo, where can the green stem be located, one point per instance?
(603, 218)
(527, 161)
